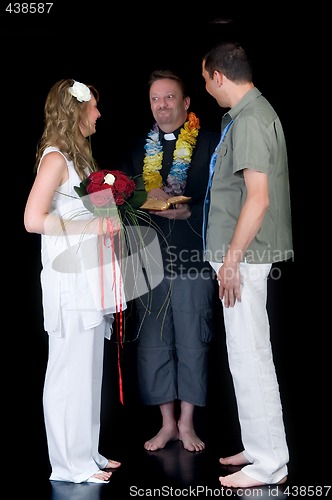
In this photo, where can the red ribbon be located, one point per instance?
(110, 229)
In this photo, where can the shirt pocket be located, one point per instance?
(221, 153)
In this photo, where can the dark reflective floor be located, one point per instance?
(173, 471)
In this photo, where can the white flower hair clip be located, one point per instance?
(80, 91)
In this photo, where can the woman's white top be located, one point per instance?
(83, 265)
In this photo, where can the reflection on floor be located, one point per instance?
(171, 472)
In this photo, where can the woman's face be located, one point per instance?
(90, 117)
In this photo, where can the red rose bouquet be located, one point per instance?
(105, 191)
(112, 196)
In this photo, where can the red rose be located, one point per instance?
(102, 197)
(131, 186)
(120, 185)
(97, 178)
(119, 199)
(93, 187)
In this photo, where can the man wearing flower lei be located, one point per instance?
(76, 320)
(175, 320)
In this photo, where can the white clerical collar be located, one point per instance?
(169, 137)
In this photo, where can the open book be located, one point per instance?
(157, 204)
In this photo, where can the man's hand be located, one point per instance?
(229, 283)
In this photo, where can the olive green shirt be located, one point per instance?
(254, 141)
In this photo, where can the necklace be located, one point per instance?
(184, 146)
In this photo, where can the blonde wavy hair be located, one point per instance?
(62, 116)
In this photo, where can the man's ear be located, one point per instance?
(218, 77)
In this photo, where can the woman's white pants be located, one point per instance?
(72, 400)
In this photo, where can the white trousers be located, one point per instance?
(254, 377)
(72, 400)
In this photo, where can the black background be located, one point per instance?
(114, 48)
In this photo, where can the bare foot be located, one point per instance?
(100, 477)
(112, 464)
(160, 440)
(241, 480)
(238, 459)
(190, 440)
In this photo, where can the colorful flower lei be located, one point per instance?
(177, 177)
